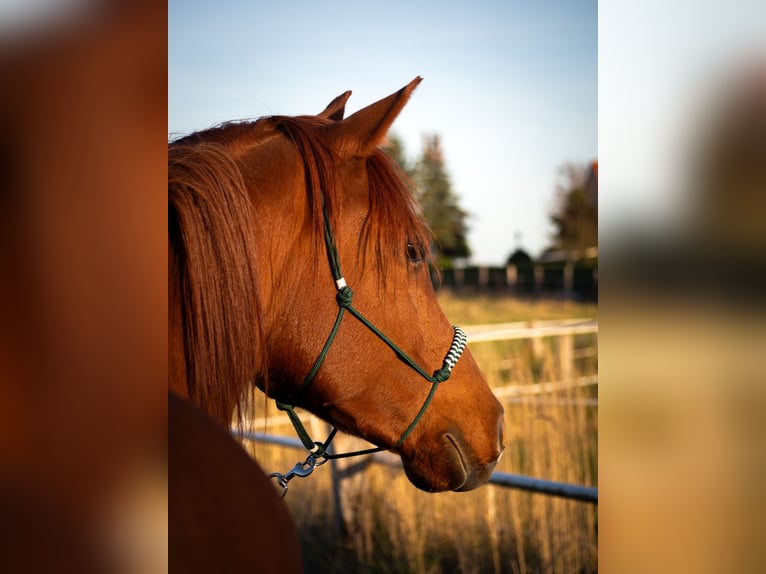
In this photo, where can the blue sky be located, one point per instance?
(510, 86)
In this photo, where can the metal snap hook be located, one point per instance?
(301, 469)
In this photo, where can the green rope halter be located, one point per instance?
(344, 298)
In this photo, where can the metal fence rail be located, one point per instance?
(504, 479)
(562, 489)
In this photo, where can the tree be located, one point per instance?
(440, 204)
(575, 215)
(519, 257)
(395, 148)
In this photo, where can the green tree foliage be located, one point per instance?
(395, 148)
(575, 215)
(439, 203)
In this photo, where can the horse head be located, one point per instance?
(334, 228)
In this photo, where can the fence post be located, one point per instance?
(539, 272)
(511, 276)
(320, 428)
(348, 478)
(337, 499)
(566, 357)
(536, 344)
(568, 279)
(459, 278)
(483, 277)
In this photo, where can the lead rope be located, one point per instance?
(318, 451)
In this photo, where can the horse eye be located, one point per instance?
(415, 253)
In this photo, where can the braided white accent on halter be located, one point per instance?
(456, 349)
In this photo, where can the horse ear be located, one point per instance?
(336, 108)
(359, 134)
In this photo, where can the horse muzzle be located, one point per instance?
(452, 466)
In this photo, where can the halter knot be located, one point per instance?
(344, 296)
(442, 374)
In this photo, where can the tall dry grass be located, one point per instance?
(487, 308)
(391, 527)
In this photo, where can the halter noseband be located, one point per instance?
(344, 298)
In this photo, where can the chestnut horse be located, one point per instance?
(262, 217)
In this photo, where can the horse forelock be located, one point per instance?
(393, 219)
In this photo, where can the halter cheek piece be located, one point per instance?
(343, 297)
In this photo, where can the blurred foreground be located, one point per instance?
(682, 307)
(83, 367)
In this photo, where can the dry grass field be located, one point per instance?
(388, 526)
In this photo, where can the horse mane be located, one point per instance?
(394, 217)
(211, 239)
(211, 229)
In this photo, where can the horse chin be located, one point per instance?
(445, 469)
(476, 474)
